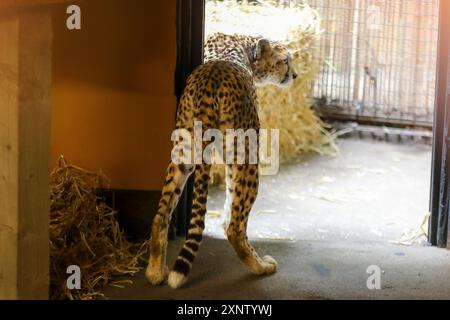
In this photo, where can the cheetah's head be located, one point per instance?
(272, 64)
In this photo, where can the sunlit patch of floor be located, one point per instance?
(372, 191)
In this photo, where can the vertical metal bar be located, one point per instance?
(353, 67)
(346, 52)
(358, 30)
(441, 125)
(415, 78)
(429, 61)
(399, 95)
(389, 53)
(190, 33)
(329, 17)
(333, 47)
(384, 85)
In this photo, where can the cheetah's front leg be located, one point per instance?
(245, 188)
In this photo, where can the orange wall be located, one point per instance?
(113, 101)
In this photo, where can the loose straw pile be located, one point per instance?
(84, 231)
(289, 110)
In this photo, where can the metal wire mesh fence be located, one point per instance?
(379, 60)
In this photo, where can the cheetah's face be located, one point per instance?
(273, 64)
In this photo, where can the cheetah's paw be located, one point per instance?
(270, 265)
(156, 276)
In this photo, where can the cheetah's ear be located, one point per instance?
(262, 47)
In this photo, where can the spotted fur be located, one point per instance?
(221, 94)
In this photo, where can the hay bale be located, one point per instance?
(84, 231)
(289, 110)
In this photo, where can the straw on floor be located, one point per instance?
(84, 232)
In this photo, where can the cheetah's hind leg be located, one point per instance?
(228, 198)
(245, 184)
(176, 178)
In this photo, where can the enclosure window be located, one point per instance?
(379, 60)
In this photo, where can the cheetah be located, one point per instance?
(221, 94)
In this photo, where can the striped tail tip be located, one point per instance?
(179, 274)
(176, 280)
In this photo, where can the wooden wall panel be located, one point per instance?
(25, 94)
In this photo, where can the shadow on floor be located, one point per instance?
(307, 270)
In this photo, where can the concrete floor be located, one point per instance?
(325, 220)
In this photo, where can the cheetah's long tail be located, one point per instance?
(183, 264)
